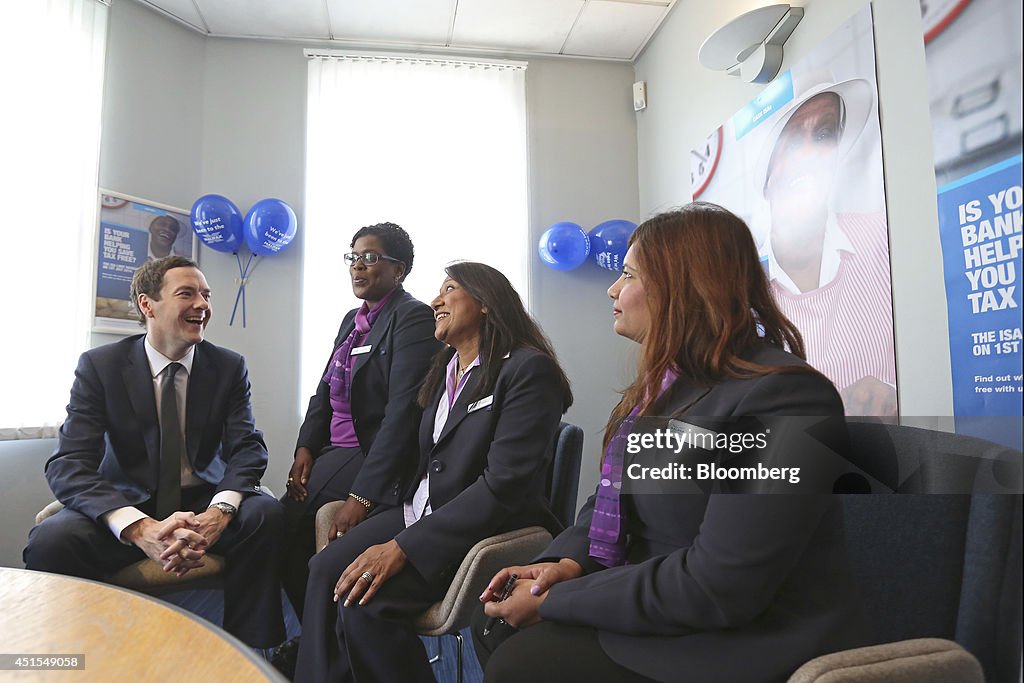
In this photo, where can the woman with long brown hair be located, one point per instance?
(687, 584)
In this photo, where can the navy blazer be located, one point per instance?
(108, 449)
(385, 382)
(720, 587)
(488, 468)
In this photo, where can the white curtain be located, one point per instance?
(51, 77)
(438, 147)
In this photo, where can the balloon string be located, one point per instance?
(245, 276)
(238, 295)
(243, 273)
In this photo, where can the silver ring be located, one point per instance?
(339, 534)
(367, 577)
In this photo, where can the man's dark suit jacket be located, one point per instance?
(488, 468)
(385, 382)
(724, 587)
(108, 449)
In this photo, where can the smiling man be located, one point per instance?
(160, 457)
(163, 231)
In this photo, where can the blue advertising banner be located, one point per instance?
(122, 250)
(973, 56)
(980, 226)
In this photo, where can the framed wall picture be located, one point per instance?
(132, 231)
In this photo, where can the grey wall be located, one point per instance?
(185, 116)
(582, 169)
(687, 102)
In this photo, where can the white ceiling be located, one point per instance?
(603, 29)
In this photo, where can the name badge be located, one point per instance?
(482, 403)
(683, 433)
(360, 350)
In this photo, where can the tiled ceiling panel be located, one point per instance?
(283, 19)
(185, 10)
(523, 25)
(603, 29)
(401, 21)
(613, 29)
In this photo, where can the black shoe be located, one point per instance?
(285, 657)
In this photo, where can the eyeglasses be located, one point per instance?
(369, 258)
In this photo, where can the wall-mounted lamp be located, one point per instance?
(750, 46)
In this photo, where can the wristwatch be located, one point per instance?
(227, 508)
(365, 502)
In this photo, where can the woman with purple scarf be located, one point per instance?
(491, 401)
(358, 440)
(684, 582)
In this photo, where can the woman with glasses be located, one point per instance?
(492, 401)
(358, 440)
(690, 580)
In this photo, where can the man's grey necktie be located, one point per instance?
(172, 447)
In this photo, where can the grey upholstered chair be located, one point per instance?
(939, 574)
(453, 612)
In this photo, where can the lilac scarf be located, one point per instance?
(607, 525)
(339, 372)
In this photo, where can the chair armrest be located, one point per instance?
(324, 518)
(49, 511)
(923, 660)
(481, 563)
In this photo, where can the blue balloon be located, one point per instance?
(270, 226)
(217, 222)
(564, 246)
(608, 243)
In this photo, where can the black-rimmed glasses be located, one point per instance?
(369, 258)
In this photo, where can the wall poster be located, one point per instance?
(802, 165)
(973, 54)
(132, 231)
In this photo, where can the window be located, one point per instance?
(52, 79)
(437, 146)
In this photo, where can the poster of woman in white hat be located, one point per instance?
(802, 164)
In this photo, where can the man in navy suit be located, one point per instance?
(160, 457)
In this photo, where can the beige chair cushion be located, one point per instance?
(482, 562)
(924, 660)
(147, 576)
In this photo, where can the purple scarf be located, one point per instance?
(607, 535)
(339, 372)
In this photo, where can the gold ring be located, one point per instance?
(367, 577)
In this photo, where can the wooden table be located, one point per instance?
(125, 636)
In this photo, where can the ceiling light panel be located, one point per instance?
(526, 25)
(399, 21)
(291, 19)
(613, 29)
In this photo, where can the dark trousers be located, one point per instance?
(546, 653)
(371, 643)
(71, 543)
(330, 479)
